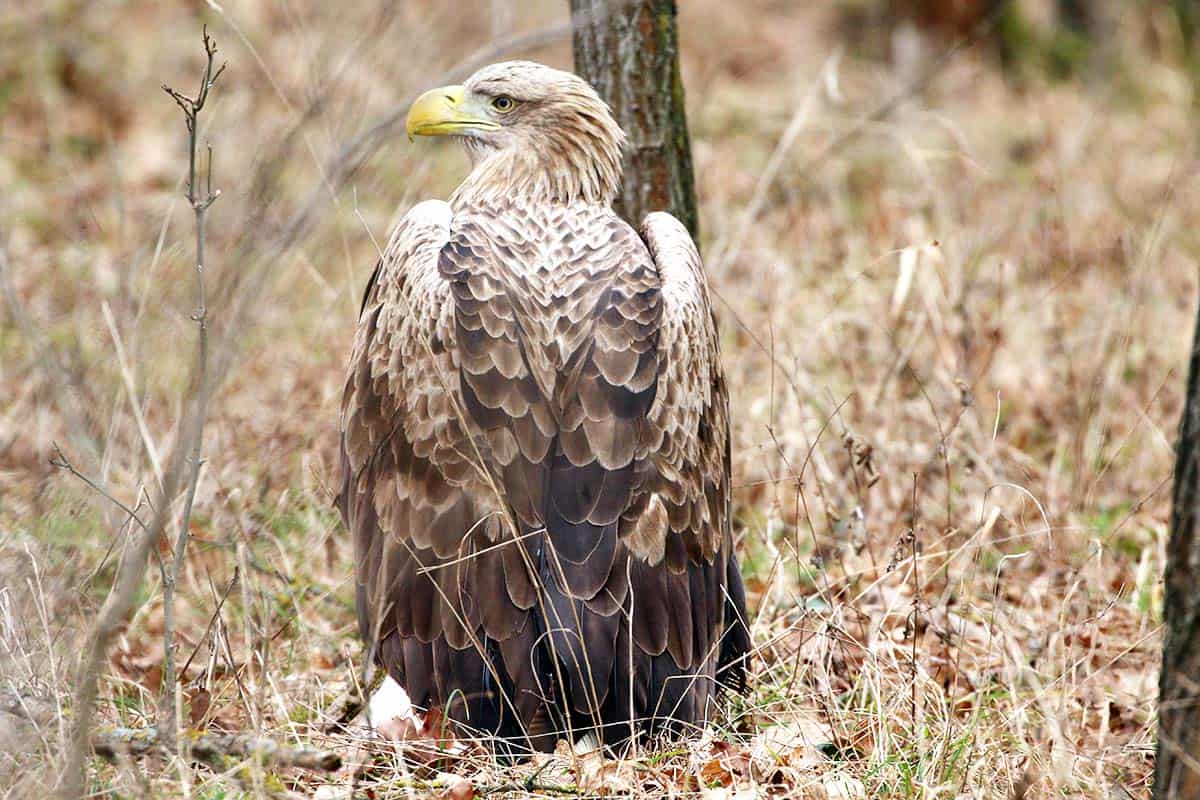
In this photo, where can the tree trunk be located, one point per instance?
(1176, 774)
(1187, 12)
(1079, 16)
(629, 51)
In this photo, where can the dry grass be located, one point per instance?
(955, 347)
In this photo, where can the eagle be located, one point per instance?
(535, 454)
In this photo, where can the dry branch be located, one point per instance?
(113, 614)
(60, 461)
(120, 600)
(212, 749)
(192, 106)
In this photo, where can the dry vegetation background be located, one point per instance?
(955, 344)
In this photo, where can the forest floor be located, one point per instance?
(955, 335)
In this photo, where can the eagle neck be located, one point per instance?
(560, 175)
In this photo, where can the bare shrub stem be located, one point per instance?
(120, 600)
(200, 203)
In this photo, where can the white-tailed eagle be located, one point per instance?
(535, 437)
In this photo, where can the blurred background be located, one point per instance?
(953, 255)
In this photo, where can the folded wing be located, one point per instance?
(536, 472)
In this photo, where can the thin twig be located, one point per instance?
(212, 620)
(61, 462)
(192, 106)
(113, 614)
(914, 623)
(120, 600)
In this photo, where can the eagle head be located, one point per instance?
(527, 128)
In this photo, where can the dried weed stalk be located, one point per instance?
(183, 471)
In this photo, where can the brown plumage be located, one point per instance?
(535, 437)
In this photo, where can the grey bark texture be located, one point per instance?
(629, 51)
(1177, 776)
(1187, 12)
(1078, 15)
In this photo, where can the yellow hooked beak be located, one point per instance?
(443, 111)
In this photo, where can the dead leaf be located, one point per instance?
(727, 765)
(427, 741)
(199, 702)
(598, 775)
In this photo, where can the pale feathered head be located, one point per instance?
(530, 130)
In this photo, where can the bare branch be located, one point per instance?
(59, 460)
(213, 619)
(186, 456)
(113, 614)
(213, 749)
(200, 205)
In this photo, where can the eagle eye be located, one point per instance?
(503, 103)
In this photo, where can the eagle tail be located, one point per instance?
(736, 644)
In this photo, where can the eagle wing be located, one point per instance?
(693, 463)
(415, 492)
(535, 459)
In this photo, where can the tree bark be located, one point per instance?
(629, 51)
(1187, 12)
(1079, 16)
(1177, 770)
